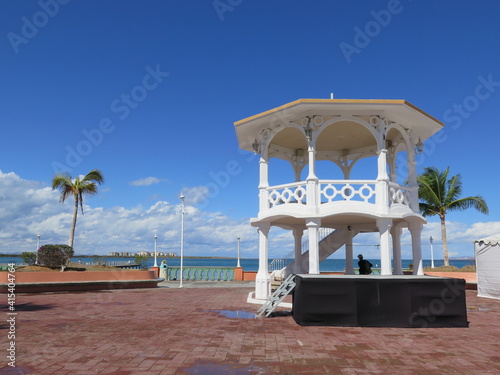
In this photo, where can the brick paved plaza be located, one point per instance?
(168, 330)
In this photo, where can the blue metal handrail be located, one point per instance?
(201, 273)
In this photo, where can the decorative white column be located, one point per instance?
(349, 266)
(396, 231)
(312, 162)
(313, 226)
(312, 184)
(263, 184)
(412, 182)
(382, 199)
(384, 227)
(416, 245)
(297, 236)
(263, 280)
(392, 155)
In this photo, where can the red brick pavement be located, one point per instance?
(180, 331)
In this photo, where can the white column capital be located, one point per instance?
(384, 224)
(313, 223)
(264, 227)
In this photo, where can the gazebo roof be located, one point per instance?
(411, 117)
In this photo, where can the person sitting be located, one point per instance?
(365, 267)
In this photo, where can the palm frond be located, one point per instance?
(476, 202)
(454, 189)
(95, 176)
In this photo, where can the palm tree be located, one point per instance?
(438, 195)
(77, 188)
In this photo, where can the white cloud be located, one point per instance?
(148, 181)
(195, 195)
(28, 207)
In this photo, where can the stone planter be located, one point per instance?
(26, 282)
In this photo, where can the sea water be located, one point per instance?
(248, 264)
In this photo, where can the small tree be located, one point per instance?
(142, 261)
(28, 257)
(99, 260)
(55, 255)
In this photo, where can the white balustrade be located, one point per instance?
(336, 190)
(347, 190)
(287, 194)
(399, 194)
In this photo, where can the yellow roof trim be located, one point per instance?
(345, 101)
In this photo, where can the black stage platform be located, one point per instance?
(379, 301)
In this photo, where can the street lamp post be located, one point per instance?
(432, 252)
(182, 238)
(155, 265)
(238, 238)
(37, 247)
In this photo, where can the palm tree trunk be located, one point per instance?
(445, 243)
(73, 224)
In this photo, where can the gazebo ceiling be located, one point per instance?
(346, 135)
(290, 138)
(340, 135)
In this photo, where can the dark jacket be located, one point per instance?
(365, 267)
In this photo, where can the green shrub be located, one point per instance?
(468, 268)
(55, 255)
(28, 257)
(442, 269)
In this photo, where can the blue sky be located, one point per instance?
(147, 91)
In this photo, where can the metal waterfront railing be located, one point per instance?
(279, 263)
(201, 273)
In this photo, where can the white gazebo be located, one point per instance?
(331, 211)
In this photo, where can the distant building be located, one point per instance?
(114, 254)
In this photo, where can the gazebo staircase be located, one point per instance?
(331, 240)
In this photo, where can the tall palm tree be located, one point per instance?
(438, 195)
(77, 188)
